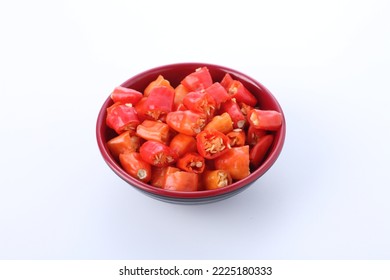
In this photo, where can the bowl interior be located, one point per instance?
(175, 73)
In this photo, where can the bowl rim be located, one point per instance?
(253, 176)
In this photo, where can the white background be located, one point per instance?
(327, 62)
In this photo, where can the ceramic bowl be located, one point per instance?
(175, 73)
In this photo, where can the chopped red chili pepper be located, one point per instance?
(198, 80)
(181, 181)
(158, 103)
(160, 81)
(254, 135)
(126, 95)
(191, 162)
(157, 153)
(222, 123)
(158, 174)
(237, 137)
(200, 102)
(122, 117)
(238, 91)
(232, 108)
(186, 122)
(259, 151)
(219, 93)
(154, 130)
(265, 119)
(235, 161)
(211, 143)
(133, 164)
(215, 179)
(180, 93)
(182, 144)
(226, 81)
(245, 108)
(125, 142)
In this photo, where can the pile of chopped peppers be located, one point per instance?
(200, 135)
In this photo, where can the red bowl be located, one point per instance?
(175, 73)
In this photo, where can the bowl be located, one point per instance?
(175, 73)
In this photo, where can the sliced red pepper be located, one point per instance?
(254, 135)
(126, 95)
(200, 102)
(157, 104)
(160, 81)
(169, 170)
(181, 107)
(181, 181)
(235, 161)
(134, 165)
(215, 179)
(237, 137)
(182, 144)
(198, 80)
(211, 143)
(186, 122)
(157, 153)
(219, 93)
(141, 109)
(154, 130)
(265, 119)
(122, 117)
(259, 151)
(158, 176)
(232, 108)
(191, 162)
(125, 142)
(238, 91)
(245, 108)
(180, 93)
(222, 123)
(226, 81)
